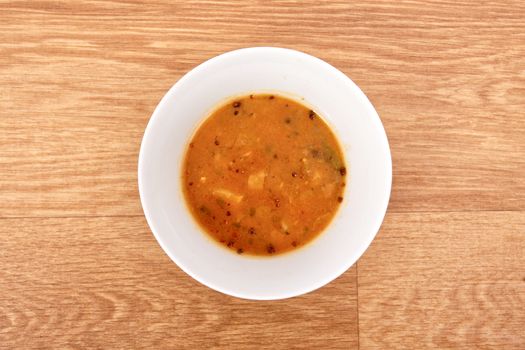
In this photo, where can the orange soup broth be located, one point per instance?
(263, 175)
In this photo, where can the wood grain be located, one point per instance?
(79, 82)
(443, 281)
(105, 283)
(80, 269)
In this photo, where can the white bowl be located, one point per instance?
(347, 111)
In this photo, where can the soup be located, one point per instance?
(263, 175)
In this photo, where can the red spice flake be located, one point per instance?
(191, 183)
(240, 251)
(236, 112)
(230, 244)
(251, 230)
(271, 97)
(251, 96)
(294, 243)
(236, 104)
(342, 171)
(339, 199)
(294, 174)
(216, 142)
(311, 115)
(270, 248)
(228, 213)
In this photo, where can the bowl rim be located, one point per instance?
(314, 285)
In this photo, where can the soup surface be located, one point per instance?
(263, 175)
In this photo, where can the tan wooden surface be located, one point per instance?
(79, 267)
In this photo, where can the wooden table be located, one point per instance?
(79, 267)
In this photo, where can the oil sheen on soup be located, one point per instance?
(263, 175)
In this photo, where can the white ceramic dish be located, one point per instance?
(348, 112)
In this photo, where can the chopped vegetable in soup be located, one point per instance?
(263, 175)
